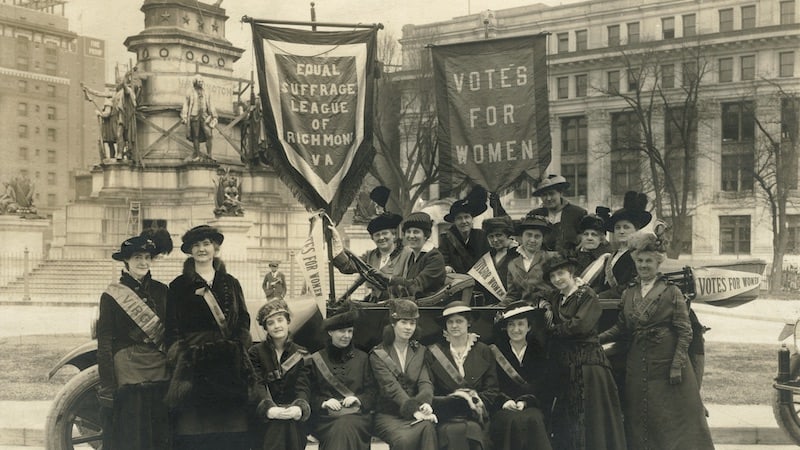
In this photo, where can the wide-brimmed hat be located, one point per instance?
(274, 263)
(403, 309)
(419, 220)
(199, 233)
(533, 222)
(473, 204)
(133, 245)
(556, 262)
(503, 224)
(513, 311)
(552, 182)
(385, 221)
(344, 317)
(453, 308)
(633, 210)
(271, 308)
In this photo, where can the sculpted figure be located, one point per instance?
(199, 116)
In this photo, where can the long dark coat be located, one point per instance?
(659, 415)
(587, 414)
(460, 255)
(423, 276)
(565, 233)
(139, 417)
(286, 388)
(624, 271)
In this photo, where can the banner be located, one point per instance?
(317, 97)
(311, 258)
(492, 107)
(485, 273)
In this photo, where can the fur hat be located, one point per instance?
(633, 210)
(513, 310)
(473, 204)
(403, 309)
(502, 224)
(269, 309)
(385, 221)
(596, 221)
(199, 233)
(552, 182)
(419, 220)
(533, 222)
(556, 262)
(457, 307)
(344, 317)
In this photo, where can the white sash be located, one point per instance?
(485, 273)
(594, 269)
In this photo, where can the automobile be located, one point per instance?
(786, 396)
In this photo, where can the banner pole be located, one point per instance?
(251, 20)
(326, 222)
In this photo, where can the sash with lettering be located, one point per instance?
(331, 379)
(485, 273)
(317, 97)
(141, 314)
(492, 108)
(505, 364)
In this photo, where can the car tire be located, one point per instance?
(74, 417)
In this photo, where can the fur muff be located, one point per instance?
(409, 407)
(180, 386)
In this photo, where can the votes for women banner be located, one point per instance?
(311, 259)
(317, 95)
(492, 106)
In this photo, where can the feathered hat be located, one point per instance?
(534, 222)
(503, 224)
(473, 204)
(633, 210)
(552, 182)
(386, 220)
(596, 221)
(154, 242)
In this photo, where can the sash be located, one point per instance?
(291, 362)
(485, 273)
(285, 366)
(505, 364)
(610, 280)
(141, 314)
(594, 269)
(216, 311)
(329, 377)
(446, 364)
(390, 363)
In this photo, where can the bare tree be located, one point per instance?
(652, 90)
(406, 146)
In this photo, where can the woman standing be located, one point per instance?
(130, 350)
(464, 381)
(587, 415)
(280, 366)
(502, 250)
(343, 389)
(523, 373)
(405, 418)
(208, 334)
(619, 269)
(663, 409)
(525, 280)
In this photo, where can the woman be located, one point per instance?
(343, 389)
(592, 250)
(404, 418)
(464, 381)
(525, 281)
(587, 415)
(280, 366)
(523, 373)
(619, 269)
(130, 350)
(662, 405)
(502, 250)
(208, 334)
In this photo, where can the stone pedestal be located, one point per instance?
(236, 231)
(18, 234)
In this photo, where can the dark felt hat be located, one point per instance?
(633, 210)
(419, 220)
(385, 221)
(269, 309)
(473, 204)
(199, 233)
(133, 245)
(503, 224)
(513, 310)
(403, 309)
(556, 262)
(552, 182)
(592, 222)
(534, 222)
(453, 308)
(344, 317)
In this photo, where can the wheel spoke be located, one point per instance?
(87, 438)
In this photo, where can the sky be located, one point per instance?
(115, 20)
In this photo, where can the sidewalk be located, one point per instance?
(22, 424)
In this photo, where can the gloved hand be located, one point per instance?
(332, 404)
(336, 241)
(381, 278)
(675, 375)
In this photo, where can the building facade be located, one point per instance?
(50, 132)
(745, 53)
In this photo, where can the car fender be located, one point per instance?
(82, 356)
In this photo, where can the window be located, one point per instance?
(633, 79)
(633, 33)
(574, 136)
(22, 86)
(748, 17)
(625, 140)
(738, 122)
(688, 73)
(725, 70)
(22, 109)
(563, 42)
(523, 190)
(734, 234)
(677, 147)
(738, 128)
(625, 176)
(613, 81)
(51, 199)
(581, 40)
(685, 234)
(787, 12)
(613, 35)
(726, 19)
(51, 134)
(23, 63)
(51, 90)
(581, 84)
(563, 87)
(689, 25)
(51, 113)
(51, 156)
(23, 153)
(790, 119)
(51, 178)
(668, 76)
(793, 229)
(786, 64)
(50, 68)
(748, 69)
(576, 176)
(668, 28)
(22, 131)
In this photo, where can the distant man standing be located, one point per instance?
(274, 284)
(199, 116)
(563, 216)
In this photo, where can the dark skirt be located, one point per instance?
(140, 419)
(400, 435)
(519, 430)
(281, 435)
(458, 434)
(351, 431)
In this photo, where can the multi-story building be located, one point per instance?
(747, 52)
(49, 131)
